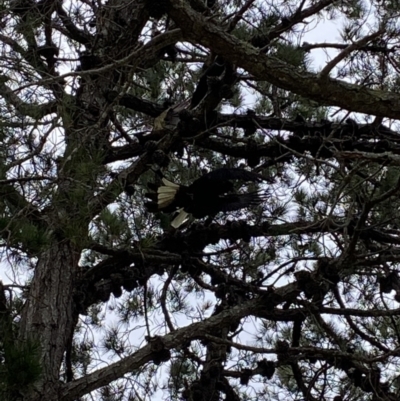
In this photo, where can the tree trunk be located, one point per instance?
(48, 312)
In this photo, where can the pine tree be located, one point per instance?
(294, 296)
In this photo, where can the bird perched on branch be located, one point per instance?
(208, 195)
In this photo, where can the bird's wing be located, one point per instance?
(231, 202)
(225, 173)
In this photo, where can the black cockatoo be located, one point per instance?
(208, 195)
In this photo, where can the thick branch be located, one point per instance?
(198, 29)
(116, 370)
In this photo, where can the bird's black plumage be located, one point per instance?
(208, 195)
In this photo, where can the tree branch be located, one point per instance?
(197, 29)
